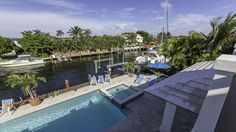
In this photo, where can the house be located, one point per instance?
(138, 38)
(206, 91)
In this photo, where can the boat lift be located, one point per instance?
(110, 65)
(98, 63)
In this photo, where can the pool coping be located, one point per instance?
(48, 102)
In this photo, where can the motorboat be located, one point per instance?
(64, 58)
(150, 56)
(9, 55)
(22, 60)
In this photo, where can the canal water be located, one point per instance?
(76, 71)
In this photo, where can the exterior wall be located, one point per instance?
(227, 118)
(225, 67)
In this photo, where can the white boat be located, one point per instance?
(150, 57)
(21, 60)
(64, 58)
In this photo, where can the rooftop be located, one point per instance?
(187, 88)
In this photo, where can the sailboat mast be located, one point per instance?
(166, 15)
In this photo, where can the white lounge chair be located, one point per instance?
(7, 105)
(152, 80)
(100, 79)
(139, 80)
(93, 81)
(107, 77)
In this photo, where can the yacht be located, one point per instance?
(150, 56)
(22, 60)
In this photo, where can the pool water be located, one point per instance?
(121, 91)
(87, 113)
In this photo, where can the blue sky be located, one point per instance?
(109, 16)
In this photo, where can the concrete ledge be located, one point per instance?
(122, 102)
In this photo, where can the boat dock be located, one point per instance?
(116, 64)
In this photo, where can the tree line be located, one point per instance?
(40, 43)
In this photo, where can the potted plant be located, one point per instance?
(54, 93)
(131, 68)
(28, 82)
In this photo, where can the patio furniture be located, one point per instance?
(140, 79)
(100, 79)
(107, 77)
(152, 80)
(7, 105)
(93, 81)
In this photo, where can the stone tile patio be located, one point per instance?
(146, 117)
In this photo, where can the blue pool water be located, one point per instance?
(88, 113)
(121, 91)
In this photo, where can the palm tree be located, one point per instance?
(75, 31)
(59, 33)
(86, 38)
(28, 82)
(87, 32)
(131, 68)
(37, 31)
(132, 38)
(221, 31)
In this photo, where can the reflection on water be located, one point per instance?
(76, 71)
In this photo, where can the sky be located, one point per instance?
(110, 16)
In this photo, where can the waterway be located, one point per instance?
(76, 71)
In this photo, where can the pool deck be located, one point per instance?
(146, 117)
(27, 109)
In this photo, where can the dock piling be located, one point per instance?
(67, 85)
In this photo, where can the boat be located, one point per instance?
(150, 56)
(64, 58)
(22, 60)
(9, 55)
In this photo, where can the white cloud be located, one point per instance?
(126, 12)
(15, 22)
(182, 24)
(159, 18)
(61, 4)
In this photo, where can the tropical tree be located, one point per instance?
(59, 33)
(131, 68)
(221, 32)
(131, 38)
(28, 82)
(75, 32)
(85, 38)
(37, 43)
(6, 45)
(184, 51)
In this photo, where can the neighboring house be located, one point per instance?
(139, 39)
(200, 98)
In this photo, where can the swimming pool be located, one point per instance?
(87, 113)
(121, 91)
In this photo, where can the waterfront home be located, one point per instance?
(198, 99)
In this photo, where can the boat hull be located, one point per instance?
(24, 64)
